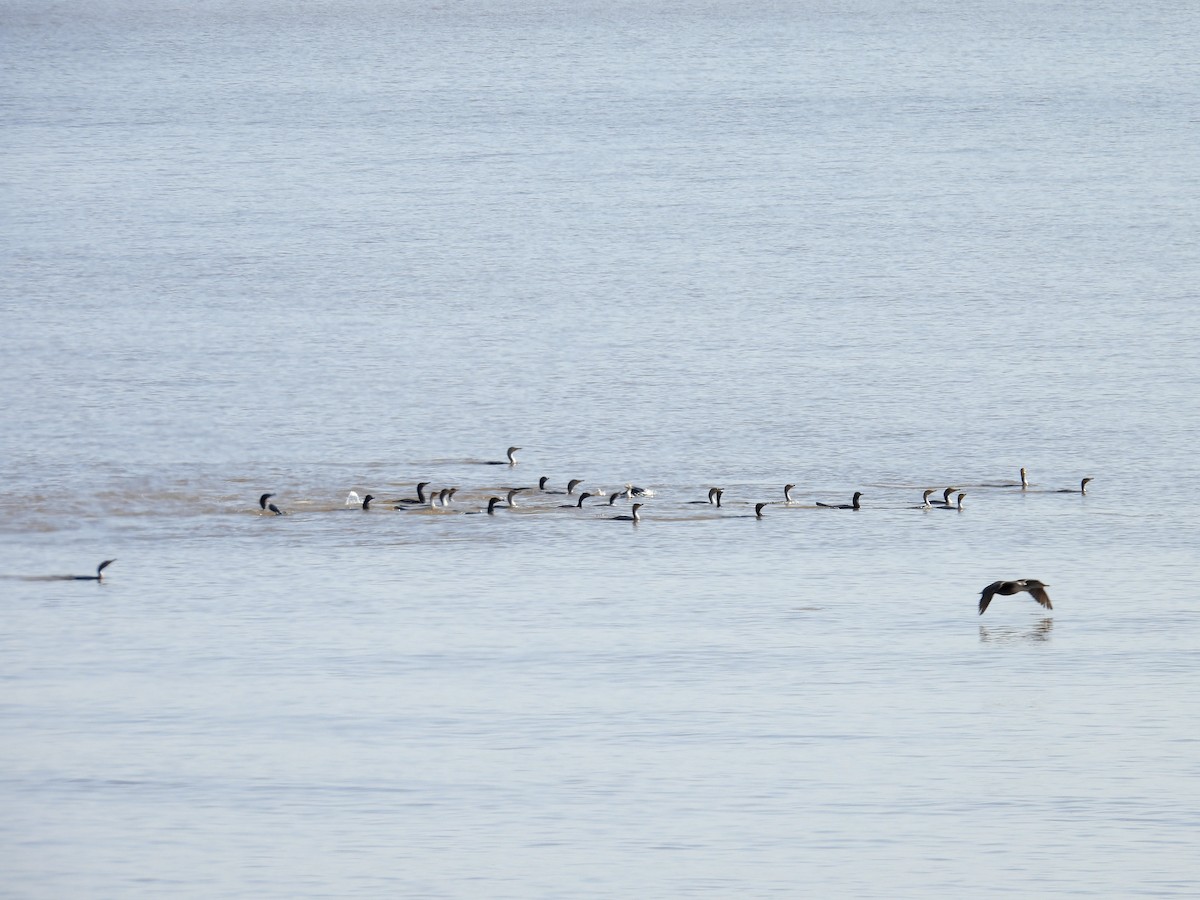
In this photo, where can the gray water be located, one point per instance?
(323, 247)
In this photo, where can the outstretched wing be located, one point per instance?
(986, 597)
(1039, 594)
(104, 565)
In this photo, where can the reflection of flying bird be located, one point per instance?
(1031, 586)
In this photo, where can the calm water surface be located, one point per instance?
(353, 246)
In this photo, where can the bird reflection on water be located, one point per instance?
(1007, 634)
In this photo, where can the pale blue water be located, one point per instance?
(261, 247)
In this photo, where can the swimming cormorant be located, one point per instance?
(1082, 488)
(99, 576)
(957, 506)
(945, 501)
(635, 515)
(421, 500)
(853, 504)
(512, 459)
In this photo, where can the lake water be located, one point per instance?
(332, 246)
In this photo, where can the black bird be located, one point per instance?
(853, 504)
(758, 512)
(945, 501)
(571, 485)
(491, 508)
(420, 496)
(512, 459)
(1082, 488)
(262, 501)
(634, 517)
(958, 503)
(99, 576)
(367, 501)
(1031, 586)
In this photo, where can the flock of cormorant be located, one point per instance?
(443, 499)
